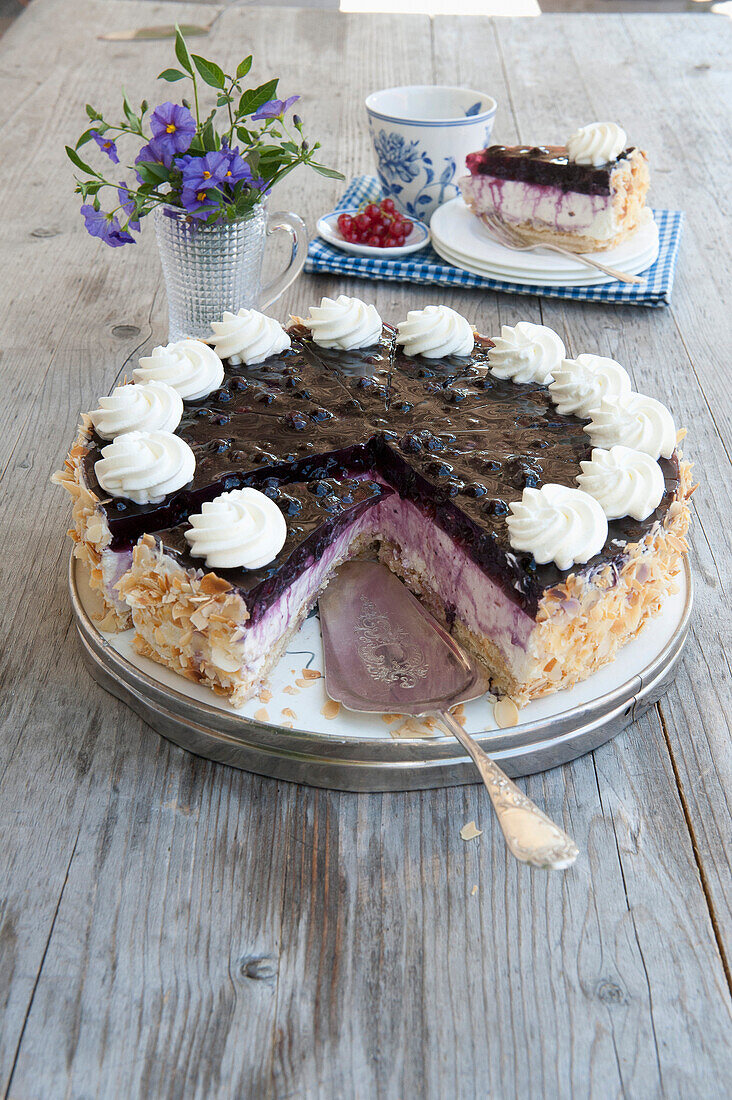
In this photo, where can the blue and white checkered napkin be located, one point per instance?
(427, 267)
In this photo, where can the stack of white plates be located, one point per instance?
(461, 239)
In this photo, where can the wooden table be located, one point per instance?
(173, 928)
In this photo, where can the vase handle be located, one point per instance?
(297, 229)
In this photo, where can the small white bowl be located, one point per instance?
(327, 228)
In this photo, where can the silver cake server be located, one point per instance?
(385, 653)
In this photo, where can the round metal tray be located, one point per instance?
(383, 763)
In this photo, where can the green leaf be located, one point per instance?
(253, 98)
(172, 75)
(329, 173)
(181, 51)
(210, 72)
(93, 115)
(132, 119)
(222, 100)
(76, 159)
(243, 67)
(86, 136)
(243, 134)
(153, 173)
(208, 136)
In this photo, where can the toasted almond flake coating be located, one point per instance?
(505, 712)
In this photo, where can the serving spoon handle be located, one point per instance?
(530, 835)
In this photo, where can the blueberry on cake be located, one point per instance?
(534, 502)
(587, 195)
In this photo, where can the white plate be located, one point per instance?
(327, 228)
(292, 698)
(644, 257)
(591, 278)
(456, 228)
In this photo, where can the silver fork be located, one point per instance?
(513, 238)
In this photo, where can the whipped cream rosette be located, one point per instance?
(147, 407)
(580, 384)
(191, 367)
(559, 524)
(596, 144)
(248, 337)
(435, 332)
(145, 466)
(240, 529)
(635, 421)
(344, 323)
(526, 353)
(623, 481)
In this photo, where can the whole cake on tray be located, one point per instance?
(587, 195)
(534, 502)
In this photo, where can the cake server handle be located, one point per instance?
(611, 271)
(530, 835)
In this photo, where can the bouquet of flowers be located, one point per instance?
(190, 161)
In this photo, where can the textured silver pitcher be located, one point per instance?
(211, 268)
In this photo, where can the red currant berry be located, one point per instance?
(374, 241)
(372, 212)
(362, 223)
(390, 242)
(388, 205)
(345, 221)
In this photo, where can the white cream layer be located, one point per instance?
(542, 206)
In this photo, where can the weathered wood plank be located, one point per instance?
(664, 353)
(172, 928)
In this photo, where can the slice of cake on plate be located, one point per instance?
(534, 503)
(587, 195)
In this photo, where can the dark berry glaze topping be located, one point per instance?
(316, 512)
(444, 433)
(546, 165)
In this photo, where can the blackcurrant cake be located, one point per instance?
(535, 503)
(587, 195)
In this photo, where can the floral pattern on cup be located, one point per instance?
(402, 160)
(421, 135)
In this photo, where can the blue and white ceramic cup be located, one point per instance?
(421, 136)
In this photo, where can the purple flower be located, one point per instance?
(237, 168)
(106, 227)
(199, 204)
(274, 108)
(106, 145)
(201, 173)
(154, 152)
(173, 126)
(127, 203)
